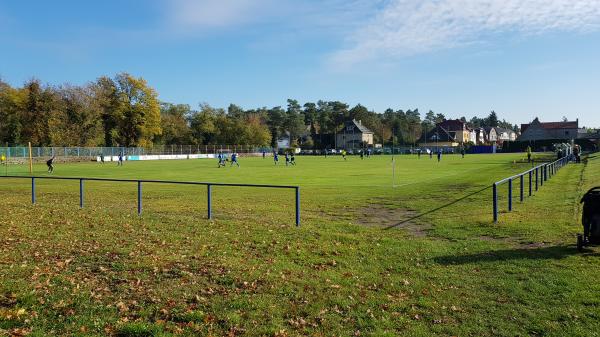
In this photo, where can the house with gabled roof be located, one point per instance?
(439, 136)
(458, 129)
(354, 136)
(537, 131)
(481, 136)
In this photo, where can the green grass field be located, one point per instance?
(420, 259)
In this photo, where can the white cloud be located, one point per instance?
(407, 27)
(332, 17)
(193, 15)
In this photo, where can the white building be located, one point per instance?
(354, 136)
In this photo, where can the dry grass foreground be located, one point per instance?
(104, 271)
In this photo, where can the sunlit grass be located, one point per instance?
(369, 259)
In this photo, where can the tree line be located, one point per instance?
(125, 111)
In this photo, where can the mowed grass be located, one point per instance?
(422, 258)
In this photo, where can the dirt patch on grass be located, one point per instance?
(386, 216)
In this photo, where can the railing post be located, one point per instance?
(80, 193)
(139, 197)
(209, 200)
(33, 190)
(510, 194)
(495, 202)
(297, 206)
(530, 183)
(521, 188)
(542, 176)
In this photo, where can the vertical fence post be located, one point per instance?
(495, 202)
(530, 181)
(209, 201)
(297, 206)
(80, 193)
(33, 190)
(521, 188)
(542, 175)
(139, 206)
(510, 194)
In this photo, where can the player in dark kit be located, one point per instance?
(234, 159)
(50, 165)
(221, 158)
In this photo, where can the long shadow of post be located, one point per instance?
(547, 253)
(438, 208)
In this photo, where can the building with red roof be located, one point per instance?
(536, 130)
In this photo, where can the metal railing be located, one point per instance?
(139, 189)
(541, 172)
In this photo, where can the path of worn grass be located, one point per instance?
(103, 270)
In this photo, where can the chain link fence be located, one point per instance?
(21, 152)
(91, 152)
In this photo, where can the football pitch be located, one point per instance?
(384, 249)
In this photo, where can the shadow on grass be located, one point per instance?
(438, 208)
(546, 253)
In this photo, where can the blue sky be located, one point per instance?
(522, 59)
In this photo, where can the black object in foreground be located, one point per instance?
(590, 219)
